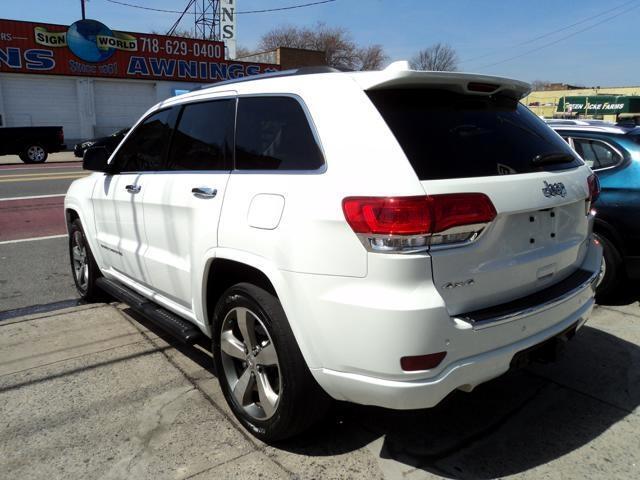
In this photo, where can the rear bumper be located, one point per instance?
(464, 374)
(360, 332)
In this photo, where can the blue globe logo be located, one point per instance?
(82, 41)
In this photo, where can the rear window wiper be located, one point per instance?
(552, 157)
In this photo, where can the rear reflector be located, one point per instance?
(422, 362)
(393, 224)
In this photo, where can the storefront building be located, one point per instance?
(94, 81)
(606, 103)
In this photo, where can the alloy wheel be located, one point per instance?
(80, 260)
(250, 363)
(36, 153)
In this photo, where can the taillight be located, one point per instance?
(594, 187)
(460, 217)
(409, 224)
(388, 215)
(61, 135)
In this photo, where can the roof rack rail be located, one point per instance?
(281, 73)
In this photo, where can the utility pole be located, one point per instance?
(82, 6)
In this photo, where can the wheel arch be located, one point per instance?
(71, 214)
(604, 228)
(223, 273)
(72, 211)
(228, 267)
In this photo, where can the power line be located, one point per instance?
(559, 39)
(286, 8)
(143, 7)
(553, 32)
(580, 22)
(173, 28)
(291, 7)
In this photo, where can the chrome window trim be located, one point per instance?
(134, 127)
(226, 95)
(318, 171)
(612, 147)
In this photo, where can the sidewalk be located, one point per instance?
(95, 392)
(53, 158)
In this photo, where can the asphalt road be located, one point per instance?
(34, 265)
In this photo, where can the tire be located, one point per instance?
(34, 153)
(84, 269)
(612, 272)
(280, 398)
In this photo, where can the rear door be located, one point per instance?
(182, 203)
(491, 144)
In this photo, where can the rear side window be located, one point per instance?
(273, 133)
(146, 147)
(451, 135)
(596, 154)
(202, 140)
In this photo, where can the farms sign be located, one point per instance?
(599, 104)
(90, 48)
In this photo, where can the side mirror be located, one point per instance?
(95, 159)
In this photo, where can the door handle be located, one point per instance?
(133, 188)
(204, 192)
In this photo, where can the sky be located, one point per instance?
(601, 48)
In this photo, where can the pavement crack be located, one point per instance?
(156, 418)
(251, 440)
(237, 457)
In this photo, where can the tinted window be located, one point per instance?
(146, 148)
(451, 135)
(272, 133)
(596, 154)
(202, 137)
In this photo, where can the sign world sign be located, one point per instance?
(90, 48)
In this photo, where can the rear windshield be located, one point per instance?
(450, 135)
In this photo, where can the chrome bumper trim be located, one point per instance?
(525, 312)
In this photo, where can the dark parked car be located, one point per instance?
(110, 142)
(32, 144)
(614, 154)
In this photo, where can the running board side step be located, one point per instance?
(183, 330)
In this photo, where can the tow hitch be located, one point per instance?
(546, 352)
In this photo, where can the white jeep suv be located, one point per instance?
(383, 238)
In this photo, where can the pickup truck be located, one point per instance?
(32, 144)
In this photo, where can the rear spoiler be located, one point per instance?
(399, 75)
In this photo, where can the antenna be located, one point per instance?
(206, 14)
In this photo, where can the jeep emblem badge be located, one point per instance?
(554, 189)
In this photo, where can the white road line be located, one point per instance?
(32, 197)
(32, 239)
